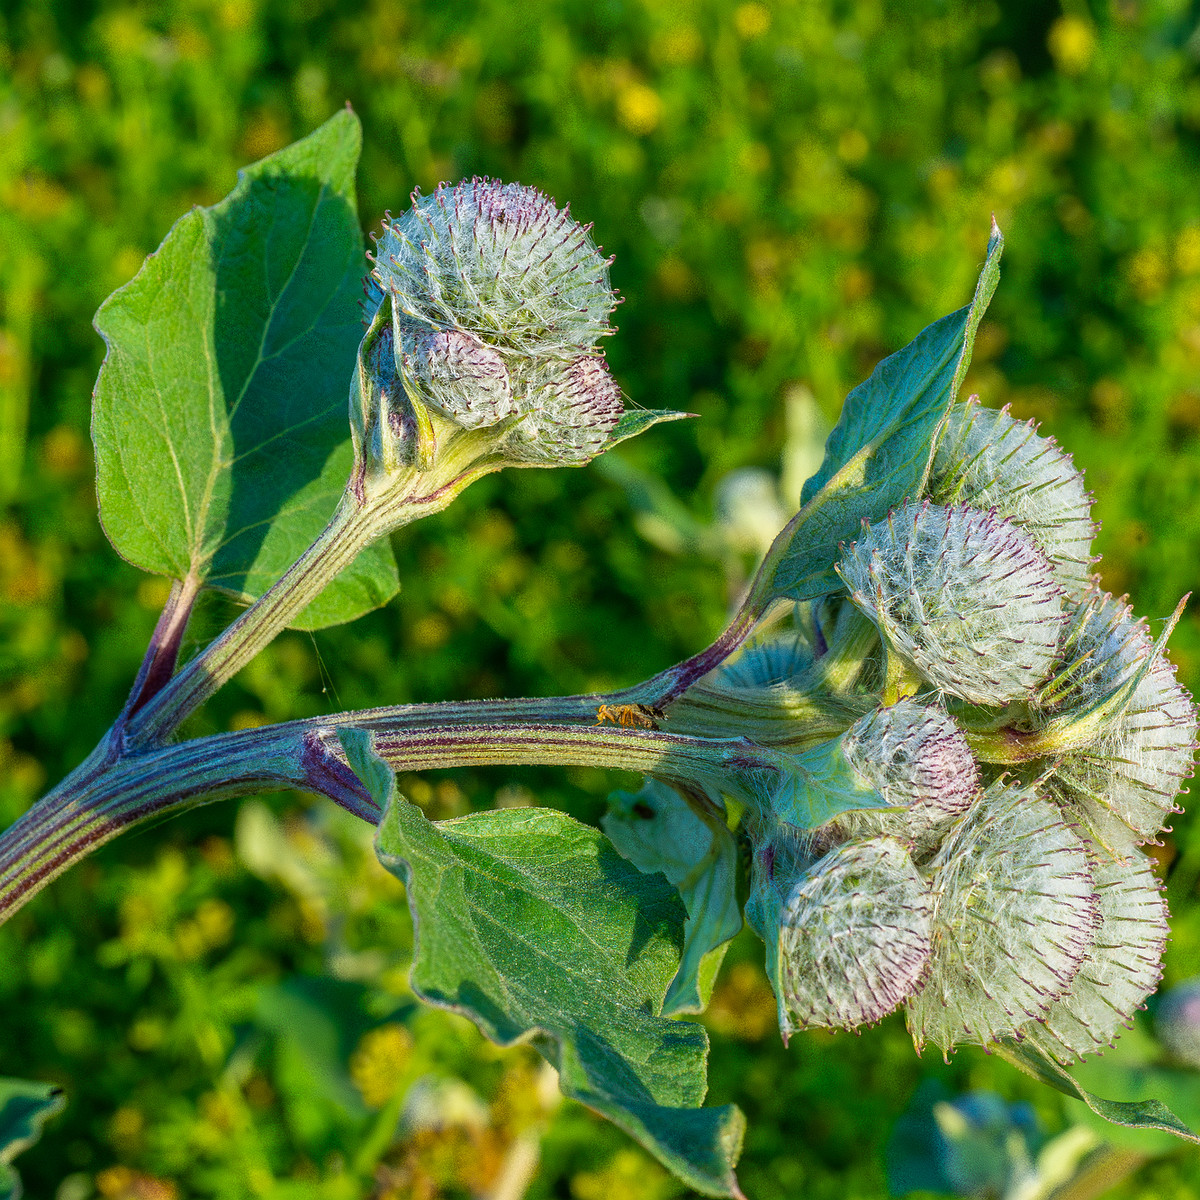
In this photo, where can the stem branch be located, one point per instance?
(347, 533)
(100, 800)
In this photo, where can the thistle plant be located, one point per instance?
(935, 747)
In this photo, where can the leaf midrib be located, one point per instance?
(201, 560)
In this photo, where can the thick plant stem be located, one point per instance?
(646, 752)
(669, 685)
(362, 517)
(102, 799)
(349, 531)
(769, 717)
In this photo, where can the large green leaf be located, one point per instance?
(24, 1109)
(880, 452)
(657, 831)
(1144, 1114)
(220, 419)
(531, 925)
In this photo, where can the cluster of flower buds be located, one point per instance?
(489, 303)
(1025, 737)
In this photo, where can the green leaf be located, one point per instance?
(656, 830)
(531, 925)
(880, 452)
(1135, 1114)
(374, 774)
(638, 420)
(24, 1109)
(819, 784)
(659, 516)
(220, 414)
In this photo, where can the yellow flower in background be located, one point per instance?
(1187, 251)
(639, 108)
(380, 1061)
(1072, 44)
(853, 146)
(677, 45)
(1147, 272)
(751, 20)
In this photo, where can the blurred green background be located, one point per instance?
(791, 190)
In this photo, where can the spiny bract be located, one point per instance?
(570, 408)
(917, 758)
(1122, 783)
(769, 661)
(501, 261)
(854, 937)
(989, 460)
(962, 595)
(497, 301)
(457, 374)
(1014, 908)
(1122, 966)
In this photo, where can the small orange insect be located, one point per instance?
(630, 716)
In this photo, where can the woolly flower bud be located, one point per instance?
(456, 373)
(571, 408)
(962, 595)
(853, 940)
(1014, 908)
(1122, 967)
(916, 757)
(500, 261)
(988, 460)
(1177, 1022)
(1125, 781)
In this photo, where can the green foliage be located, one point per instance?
(639, 420)
(24, 1109)
(880, 452)
(1148, 1113)
(529, 924)
(822, 783)
(220, 428)
(658, 832)
(972, 1145)
(790, 198)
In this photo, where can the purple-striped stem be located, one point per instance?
(103, 798)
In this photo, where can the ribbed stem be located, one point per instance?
(99, 801)
(647, 752)
(102, 799)
(348, 532)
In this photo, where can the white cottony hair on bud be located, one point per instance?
(456, 373)
(500, 261)
(916, 757)
(768, 661)
(988, 459)
(1014, 909)
(962, 595)
(854, 937)
(1122, 967)
(498, 300)
(571, 408)
(1126, 780)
